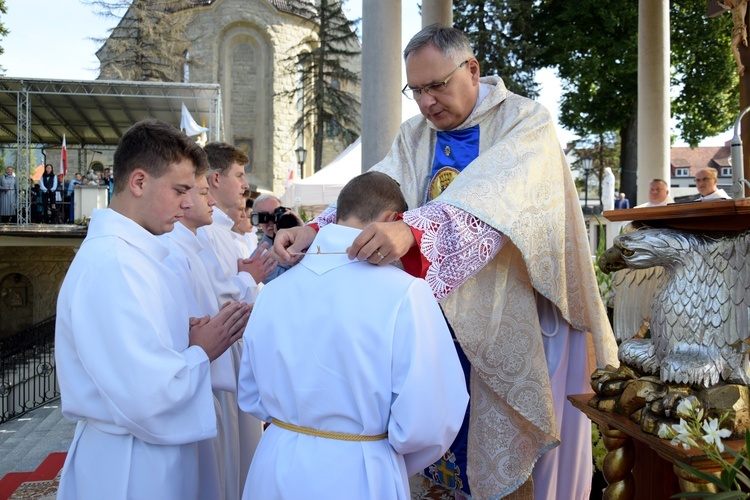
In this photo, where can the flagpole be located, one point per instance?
(63, 170)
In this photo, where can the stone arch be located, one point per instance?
(245, 72)
(16, 303)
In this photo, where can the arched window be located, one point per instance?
(16, 303)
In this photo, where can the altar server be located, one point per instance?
(221, 454)
(135, 375)
(232, 278)
(227, 185)
(362, 383)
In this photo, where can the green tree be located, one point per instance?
(593, 45)
(324, 89)
(149, 42)
(497, 30)
(3, 30)
(704, 70)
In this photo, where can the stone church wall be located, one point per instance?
(30, 279)
(242, 45)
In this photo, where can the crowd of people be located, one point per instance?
(246, 354)
(51, 198)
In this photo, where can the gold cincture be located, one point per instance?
(341, 436)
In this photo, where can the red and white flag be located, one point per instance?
(289, 178)
(63, 159)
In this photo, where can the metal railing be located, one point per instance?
(28, 378)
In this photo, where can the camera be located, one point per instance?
(280, 217)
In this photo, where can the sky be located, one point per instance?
(52, 39)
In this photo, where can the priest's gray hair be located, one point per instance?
(450, 41)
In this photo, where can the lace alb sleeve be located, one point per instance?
(327, 216)
(455, 242)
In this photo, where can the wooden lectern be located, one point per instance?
(644, 467)
(640, 465)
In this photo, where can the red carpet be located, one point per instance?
(47, 471)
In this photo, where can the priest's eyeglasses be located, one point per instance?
(432, 89)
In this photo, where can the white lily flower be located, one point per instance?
(714, 434)
(683, 435)
(685, 406)
(664, 431)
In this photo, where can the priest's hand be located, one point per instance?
(381, 243)
(294, 240)
(215, 335)
(259, 265)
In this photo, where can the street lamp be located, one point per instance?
(586, 163)
(301, 155)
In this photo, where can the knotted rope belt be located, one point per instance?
(341, 436)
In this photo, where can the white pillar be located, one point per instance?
(437, 11)
(593, 241)
(653, 94)
(381, 78)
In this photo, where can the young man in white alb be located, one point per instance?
(233, 278)
(136, 375)
(354, 366)
(185, 259)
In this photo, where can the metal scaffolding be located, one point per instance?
(92, 113)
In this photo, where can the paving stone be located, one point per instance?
(26, 442)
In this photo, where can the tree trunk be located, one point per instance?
(629, 159)
(745, 102)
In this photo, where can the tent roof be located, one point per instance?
(343, 168)
(98, 112)
(322, 188)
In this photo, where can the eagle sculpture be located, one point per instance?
(700, 308)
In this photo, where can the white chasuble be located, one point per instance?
(521, 185)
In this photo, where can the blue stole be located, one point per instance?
(454, 149)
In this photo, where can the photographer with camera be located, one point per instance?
(270, 216)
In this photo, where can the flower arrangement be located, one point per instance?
(707, 435)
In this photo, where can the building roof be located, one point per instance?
(98, 112)
(698, 158)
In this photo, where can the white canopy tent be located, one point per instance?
(316, 192)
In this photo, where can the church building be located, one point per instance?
(245, 46)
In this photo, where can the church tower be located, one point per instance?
(243, 45)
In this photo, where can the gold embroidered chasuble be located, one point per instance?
(520, 185)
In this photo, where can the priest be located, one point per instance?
(496, 229)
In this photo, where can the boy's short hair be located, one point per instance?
(221, 156)
(154, 146)
(368, 195)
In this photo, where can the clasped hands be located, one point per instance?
(215, 335)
